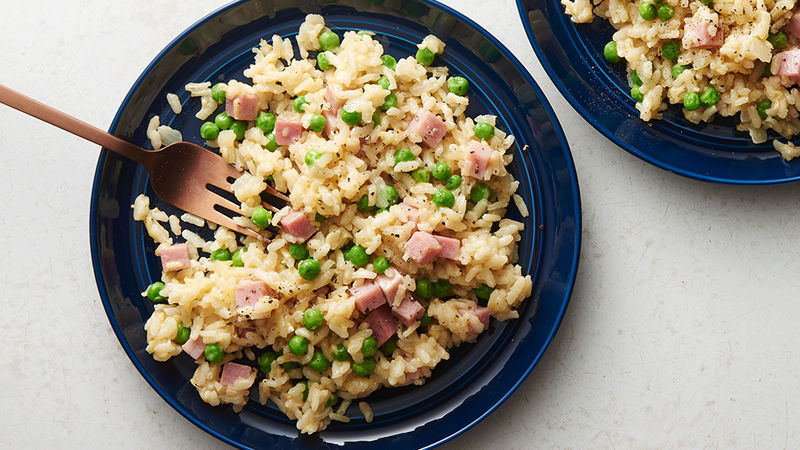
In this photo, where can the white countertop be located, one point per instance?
(680, 333)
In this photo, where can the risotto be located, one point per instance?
(394, 247)
(723, 57)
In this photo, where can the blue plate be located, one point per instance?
(477, 378)
(572, 54)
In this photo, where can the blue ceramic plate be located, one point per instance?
(572, 54)
(478, 377)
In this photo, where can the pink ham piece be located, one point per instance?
(483, 314)
(409, 311)
(699, 35)
(175, 257)
(298, 225)
(790, 65)
(422, 247)
(331, 123)
(331, 98)
(411, 212)
(195, 347)
(389, 285)
(431, 128)
(287, 131)
(450, 247)
(382, 323)
(232, 371)
(478, 156)
(794, 24)
(250, 292)
(242, 107)
(368, 296)
(415, 375)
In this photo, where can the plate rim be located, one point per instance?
(573, 182)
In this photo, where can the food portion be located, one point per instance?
(394, 248)
(722, 57)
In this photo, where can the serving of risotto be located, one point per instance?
(721, 57)
(393, 249)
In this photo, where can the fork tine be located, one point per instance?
(225, 221)
(276, 193)
(232, 172)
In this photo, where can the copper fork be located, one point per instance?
(182, 174)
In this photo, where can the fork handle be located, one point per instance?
(72, 125)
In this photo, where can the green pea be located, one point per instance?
(305, 389)
(239, 127)
(380, 210)
(363, 204)
(484, 130)
(298, 345)
(424, 289)
(425, 56)
(317, 122)
(636, 94)
(389, 61)
(778, 40)
(318, 362)
(403, 155)
(453, 182)
(442, 288)
(214, 353)
(458, 85)
(380, 264)
(444, 198)
(610, 52)
(266, 122)
(154, 292)
(265, 361)
(328, 40)
(309, 269)
(671, 50)
(389, 193)
(218, 94)
(709, 97)
(369, 347)
(365, 368)
(312, 157)
(647, 11)
(480, 191)
(389, 102)
(421, 175)
(665, 12)
(358, 256)
(350, 117)
(376, 119)
(384, 82)
(332, 400)
(261, 217)
(635, 79)
(677, 70)
(425, 320)
(322, 62)
(221, 254)
(298, 251)
(223, 121)
(767, 70)
(272, 144)
(389, 346)
(762, 107)
(313, 319)
(441, 171)
(483, 292)
(209, 131)
(691, 101)
(236, 259)
(290, 365)
(299, 104)
(319, 217)
(183, 334)
(340, 353)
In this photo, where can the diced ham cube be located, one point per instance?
(331, 98)
(389, 285)
(415, 375)
(450, 247)
(298, 225)
(422, 247)
(175, 257)
(409, 311)
(331, 123)
(242, 107)
(195, 347)
(430, 127)
(790, 65)
(322, 292)
(232, 371)
(368, 296)
(478, 156)
(250, 292)
(412, 213)
(794, 24)
(702, 35)
(382, 323)
(287, 131)
(483, 314)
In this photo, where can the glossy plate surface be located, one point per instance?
(478, 377)
(572, 54)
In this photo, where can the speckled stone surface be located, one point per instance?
(681, 332)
